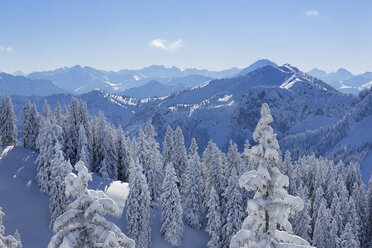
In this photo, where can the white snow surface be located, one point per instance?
(27, 209)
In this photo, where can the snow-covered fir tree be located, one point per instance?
(271, 205)
(84, 224)
(50, 134)
(233, 210)
(148, 154)
(124, 152)
(322, 228)
(369, 211)
(214, 225)
(77, 116)
(180, 159)
(31, 125)
(139, 211)
(168, 146)
(348, 238)
(193, 198)
(47, 112)
(59, 169)
(8, 241)
(8, 129)
(83, 147)
(171, 215)
(104, 149)
(212, 163)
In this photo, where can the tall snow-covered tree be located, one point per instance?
(233, 209)
(171, 215)
(193, 201)
(180, 158)
(139, 210)
(148, 154)
(59, 169)
(348, 238)
(125, 154)
(84, 224)
(47, 112)
(50, 134)
(83, 147)
(214, 225)
(321, 235)
(104, 149)
(31, 125)
(271, 205)
(8, 241)
(212, 170)
(168, 146)
(77, 116)
(8, 129)
(369, 211)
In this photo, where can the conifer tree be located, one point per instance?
(172, 224)
(322, 227)
(31, 125)
(50, 134)
(193, 203)
(234, 211)
(8, 129)
(124, 152)
(348, 238)
(271, 205)
(83, 147)
(47, 112)
(168, 146)
(59, 169)
(138, 212)
(84, 224)
(369, 211)
(214, 224)
(180, 158)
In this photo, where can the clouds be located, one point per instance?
(312, 12)
(166, 45)
(6, 49)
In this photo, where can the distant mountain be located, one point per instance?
(256, 65)
(153, 89)
(225, 109)
(344, 80)
(19, 85)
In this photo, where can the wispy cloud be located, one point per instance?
(6, 49)
(312, 12)
(169, 46)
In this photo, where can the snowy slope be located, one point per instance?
(27, 209)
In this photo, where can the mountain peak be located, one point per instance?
(256, 65)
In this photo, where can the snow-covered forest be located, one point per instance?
(259, 197)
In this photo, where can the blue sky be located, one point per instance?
(112, 35)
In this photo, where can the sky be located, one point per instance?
(112, 35)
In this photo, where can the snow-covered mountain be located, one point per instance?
(20, 85)
(344, 80)
(228, 108)
(153, 89)
(256, 65)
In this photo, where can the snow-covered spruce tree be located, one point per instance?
(214, 225)
(8, 241)
(31, 125)
(233, 209)
(321, 235)
(154, 165)
(193, 201)
(83, 147)
(180, 159)
(8, 129)
(50, 134)
(348, 238)
(302, 222)
(104, 149)
(212, 170)
(150, 160)
(271, 205)
(84, 224)
(59, 169)
(171, 215)
(138, 212)
(369, 211)
(168, 146)
(77, 116)
(124, 151)
(47, 112)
